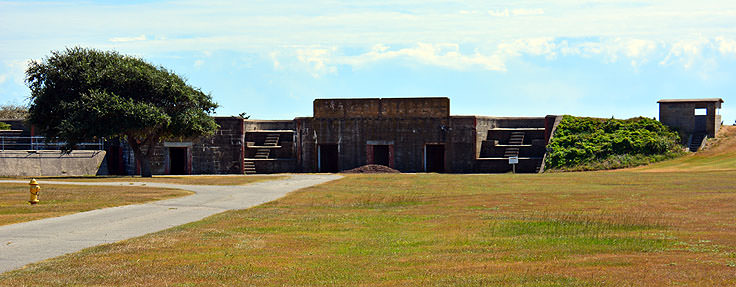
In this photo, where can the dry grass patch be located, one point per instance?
(575, 229)
(58, 200)
(175, 179)
(719, 154)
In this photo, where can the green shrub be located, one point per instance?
(590, 143)
(4, 126)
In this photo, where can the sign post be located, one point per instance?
(513, 160)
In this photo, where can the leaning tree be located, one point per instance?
(80, 94)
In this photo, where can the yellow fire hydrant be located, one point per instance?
(34, 191)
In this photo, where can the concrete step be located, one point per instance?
(516, 138)
(262, 153)
(249, 167)
(272, 140)
(696, 141)
(511, 151)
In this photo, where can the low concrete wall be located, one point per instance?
(50, 163)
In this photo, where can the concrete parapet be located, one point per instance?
(50, 163)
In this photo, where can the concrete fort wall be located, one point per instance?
(263, 125)
(50, 163)
(220, 153)
(406, 137)
(382, 108)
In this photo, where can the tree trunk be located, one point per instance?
(143, 159)
(146, 166)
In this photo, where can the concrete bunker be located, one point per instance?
(694, 119)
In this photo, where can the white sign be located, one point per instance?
(513, 160)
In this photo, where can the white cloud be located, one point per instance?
(686, 52)
(499, 13)
(445, 55)
(532, 46)
(516, 12)
(128, 39)
(726, 46)
(635, 34)
(317, 59)
(275, 60)
(527, 12)
(198, 63)
(3, 78)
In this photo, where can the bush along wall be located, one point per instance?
(593, 144)
(4, 126)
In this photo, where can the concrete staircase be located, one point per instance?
(262, 153)
(696, 141)
(501, 143)
(272, 140)
(516, 139)
(249, 167)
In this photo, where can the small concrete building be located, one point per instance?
(694, 119)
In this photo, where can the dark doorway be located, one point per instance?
(177, 160)
(115, 161)
(435, 157)
(328, 158)
(381, 155)
(700, 124)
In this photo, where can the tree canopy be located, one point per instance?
(79, 94)
(14, 112)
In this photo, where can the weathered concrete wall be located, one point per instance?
(222, 152)
(275, 165)
(461, 148)
(382, 108)
(406, 137)
(252, 125)
(50, 163)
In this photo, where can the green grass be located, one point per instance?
(58, 200)
(175, 179)
(560, 229)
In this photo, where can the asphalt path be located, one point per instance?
(33, 241)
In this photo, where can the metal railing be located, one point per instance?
(41, 143)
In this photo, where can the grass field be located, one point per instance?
(719, 154)
(655, 226)
(57, 200)
(176, 179)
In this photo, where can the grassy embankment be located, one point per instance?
(626, 228)
(582, 144)
(719, 154)
(58, 200)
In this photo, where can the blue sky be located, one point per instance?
(270, 59)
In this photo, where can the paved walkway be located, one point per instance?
(33, 241)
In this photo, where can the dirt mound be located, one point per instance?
(372, 168)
